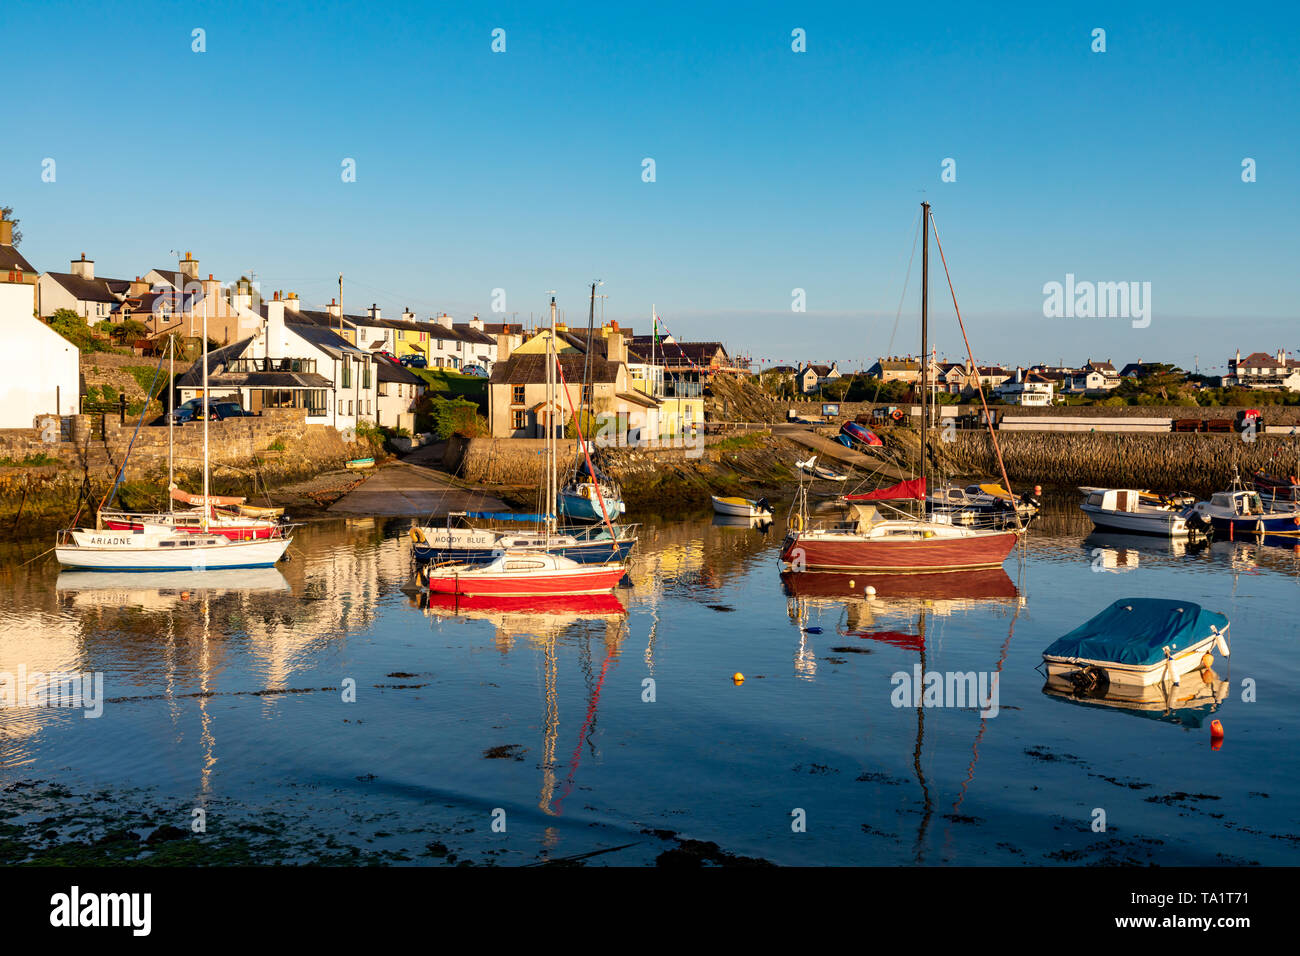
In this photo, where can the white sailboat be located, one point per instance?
(164, 547)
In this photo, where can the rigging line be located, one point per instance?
(997, 449)
(975, 747)
(907, 278)
(143, 410)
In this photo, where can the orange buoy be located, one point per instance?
(739, 678)
(1216, 733)
(1207, 661)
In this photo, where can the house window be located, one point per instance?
(340, 406)
(586, 394)
(349, 406)
(518, 420)
(439, 345)
(365, 373)
(401, 335)
(517, 394)
(347, 373)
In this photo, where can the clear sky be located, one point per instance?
(774, 170)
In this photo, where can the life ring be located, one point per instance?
(1296, 520)
(796, 522)
(585, 491)
(896, 414)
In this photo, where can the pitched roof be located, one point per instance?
(90, 290)
(12, 260)
(529, 368)
(1264, 360)
(218, 359)
(327, 340)
(396, 372)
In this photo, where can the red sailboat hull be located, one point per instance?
(917, 556)
(589, 579)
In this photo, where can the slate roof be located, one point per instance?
(12, 260)
(90, 290)
(530, 369)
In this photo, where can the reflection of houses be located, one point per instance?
(291, 364)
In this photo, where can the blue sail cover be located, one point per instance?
(1135, 631)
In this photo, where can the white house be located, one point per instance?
(291, 363)
(1026, 388)
(80, 290)
(39, 369)
(398, 391)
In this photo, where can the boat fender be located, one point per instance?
(1221, 642)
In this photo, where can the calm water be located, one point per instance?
(225, 694)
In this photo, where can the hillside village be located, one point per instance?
(82, 341)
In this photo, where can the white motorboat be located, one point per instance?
(742, 507)
(1139, 641)
(1126, 509)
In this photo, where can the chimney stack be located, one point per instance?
(444, 320)
(407, 314)
(6, 232)
(476, 323)
(291, 302)
(615, 349)
(375, 313)
(334, 309)
(189, 266)
(83, 267)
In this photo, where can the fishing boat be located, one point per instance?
(521, 572)
(166, 547)
(898, 542)
(1139, 641)
(1275, 488)
(1242, 512)
(742, 507)
(592, 544)
(856, 433)
(1128, 510)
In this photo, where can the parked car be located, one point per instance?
(478, 371)
(414, 361)
(226, 410)
(384, 353)
(217, 411)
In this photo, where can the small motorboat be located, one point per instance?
(1241, 512)
(360, 464)
(810, 467)
(742, 507)
(591, 544)
(1126, 509)
(1138, 641)
(1275, 488)
(979, 501)
(856, 433)
(517, 572)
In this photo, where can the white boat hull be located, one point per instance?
(1166, 523)
(1144, 676)
(125, 551)
(739, 507)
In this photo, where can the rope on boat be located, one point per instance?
(997, 450)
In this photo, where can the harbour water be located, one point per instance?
(507, 735)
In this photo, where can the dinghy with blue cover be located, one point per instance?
(1139, 641)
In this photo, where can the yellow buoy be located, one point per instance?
(738, 677)
(850, 584)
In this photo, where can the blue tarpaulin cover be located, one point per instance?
(1135, 631)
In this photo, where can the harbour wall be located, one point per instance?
(1197, 462)
(44, 482)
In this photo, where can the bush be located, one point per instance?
(450, 417)
(74, 328)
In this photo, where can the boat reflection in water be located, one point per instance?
(1187, 703)
(132, 589)
(896, 610)
(544, 623)
(760, 523)
(1122, 552)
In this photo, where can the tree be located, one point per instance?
(73, 328)
(7, 212)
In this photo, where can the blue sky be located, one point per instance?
(775, 170)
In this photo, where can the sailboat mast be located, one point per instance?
(925, 334)
(171, 424)
(207, 412)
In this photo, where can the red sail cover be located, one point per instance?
(914, 488)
